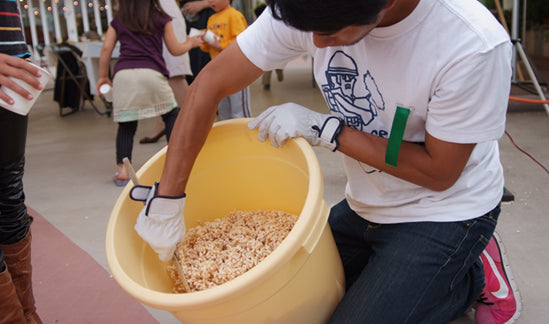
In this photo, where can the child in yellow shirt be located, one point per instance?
(226, 24)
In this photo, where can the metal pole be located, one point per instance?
(515, 19)
(523, 32)
(518, 46)
(514, 36)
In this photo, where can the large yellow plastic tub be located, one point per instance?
(300, 282)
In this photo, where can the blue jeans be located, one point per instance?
(423, 272)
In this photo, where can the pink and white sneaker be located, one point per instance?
(499, 301)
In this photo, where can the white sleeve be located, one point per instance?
(270, 44)
(469, 103)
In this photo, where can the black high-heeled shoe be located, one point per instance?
(154, 139)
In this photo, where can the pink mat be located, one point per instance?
(71, 287)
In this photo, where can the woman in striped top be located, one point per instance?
(16, 297)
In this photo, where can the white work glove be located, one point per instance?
(290, 120)
(160, 222)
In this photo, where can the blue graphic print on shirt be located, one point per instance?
(358, 111)
(340, 93)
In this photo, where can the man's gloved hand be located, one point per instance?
(161, 222)
(290, 120)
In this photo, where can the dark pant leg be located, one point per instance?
(14, 220)
(424, 272)
(169, 120)
(124, 140)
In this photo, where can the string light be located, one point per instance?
(27, 4)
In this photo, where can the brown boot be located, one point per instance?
(11, 310)
(18, 259)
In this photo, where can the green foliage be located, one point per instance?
(490, 4)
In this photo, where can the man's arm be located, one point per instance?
(228, 73)
(437, 165)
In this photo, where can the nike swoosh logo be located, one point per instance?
(503, 291)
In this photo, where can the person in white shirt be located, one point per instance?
(417, 91)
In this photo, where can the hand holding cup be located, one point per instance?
(20, 87)
(106, 91)
(196, 41)
(209, 37)
(195, 32)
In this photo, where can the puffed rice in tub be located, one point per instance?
(219, 251)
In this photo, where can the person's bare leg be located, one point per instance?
(179, 87)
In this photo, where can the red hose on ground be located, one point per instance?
(534, 101)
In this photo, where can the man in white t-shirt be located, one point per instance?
(418, 93)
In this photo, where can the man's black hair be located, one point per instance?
(326, 15)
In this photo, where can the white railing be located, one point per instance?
(62, 14)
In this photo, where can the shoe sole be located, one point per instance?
(509, 275)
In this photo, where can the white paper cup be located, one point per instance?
(210, 37)
(106, 91)
(22, 105)
(195, 32)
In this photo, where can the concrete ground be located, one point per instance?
(70, 162)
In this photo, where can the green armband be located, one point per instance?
(397, 134)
